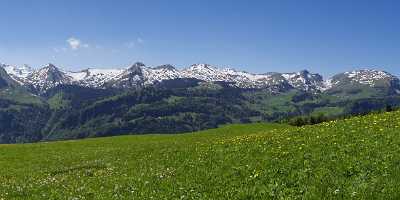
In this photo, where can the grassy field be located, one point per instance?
(355, 158)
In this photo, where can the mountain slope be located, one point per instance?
(22, 114)
(147, 110)
(6, 81)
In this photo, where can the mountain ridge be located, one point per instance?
(139, 75)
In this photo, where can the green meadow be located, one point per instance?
(356, 158)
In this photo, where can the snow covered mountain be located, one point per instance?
(5, 79)
(367, 77)
(47, 77)
(138, 75)
(18, 73)
(21, 72)
(96, 78)
(304, 80)
(160, 73)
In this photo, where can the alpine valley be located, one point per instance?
(50, 103)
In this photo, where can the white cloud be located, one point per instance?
(76, 44)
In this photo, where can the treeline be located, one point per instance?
(316, 119)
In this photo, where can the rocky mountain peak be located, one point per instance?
(202, 68)
(136, 68)
(137, 65)
(49, 72)
(304, 72)
(166, 67)
(47, 77)
(49, 68)
(305, 80)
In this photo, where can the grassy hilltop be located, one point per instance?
(354, 158)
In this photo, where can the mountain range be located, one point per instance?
(50, 103)
(138, 75)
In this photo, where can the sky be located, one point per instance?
(257, 36)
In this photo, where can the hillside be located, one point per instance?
(352, 158)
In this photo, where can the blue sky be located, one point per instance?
(256, 36)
